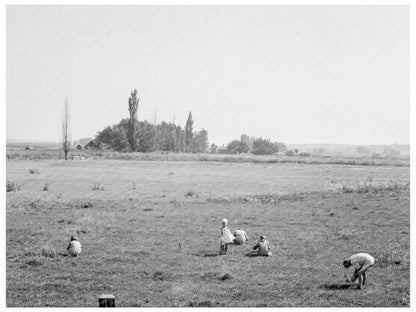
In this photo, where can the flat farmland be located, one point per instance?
(147, 226)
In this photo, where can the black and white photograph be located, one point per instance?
(212, 155)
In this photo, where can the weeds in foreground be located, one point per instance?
(44, 252)
(390, 257)
(369, 186)
(259, 199)
(96, 186)
(190, 193)
(86, 205)
(12, 187)
(346, 234)
(48, 252)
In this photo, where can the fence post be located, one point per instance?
(106, 301)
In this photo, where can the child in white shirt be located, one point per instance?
(226, 237)
(74, 247)
(363, 262)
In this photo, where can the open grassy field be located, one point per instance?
(145, 227)
(48, 152)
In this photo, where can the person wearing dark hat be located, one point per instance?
(362, 261)
(263, 247)
(74, 247)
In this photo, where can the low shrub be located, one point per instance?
(359, 186)
(290, 153)
(201, 304)
(12, 187)
(96, 186)
(190, 193)
(48, 252)
(86, 205)
(389, 258)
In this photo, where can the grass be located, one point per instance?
(12, 187)
(96, 186)
(148, 250)
(302, 158)
(358, 186)
(190, 193)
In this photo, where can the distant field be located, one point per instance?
(148, 228)
(15, 153)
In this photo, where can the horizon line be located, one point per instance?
(9, 141)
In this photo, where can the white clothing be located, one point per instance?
(227, 236)
(364, 260)
(240, 236)
(74, 248)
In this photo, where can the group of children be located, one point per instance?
(361, 261)
(262, 248)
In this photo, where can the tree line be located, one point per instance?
(249, 144)
(133, 135)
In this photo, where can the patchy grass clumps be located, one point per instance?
(370, 186)
(190, 193)
(12, 187)
(48, 252)
(150, 261)
(86, 205)
(203, 304)
(34, 263)
(387, 258)
(161, 276)
(96, 186)
(257, 199)
(346, 234)
(225, 277)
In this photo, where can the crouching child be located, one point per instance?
(262, 247)
(240, 237)
(362, 261)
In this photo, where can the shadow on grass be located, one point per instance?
(255, 254)
(206, 254)
(337, 286)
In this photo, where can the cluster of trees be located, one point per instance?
(132, 135)
(150, 137)
(257, 146)
(388, 152)
(142, 136)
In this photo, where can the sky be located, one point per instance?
(294, 74)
